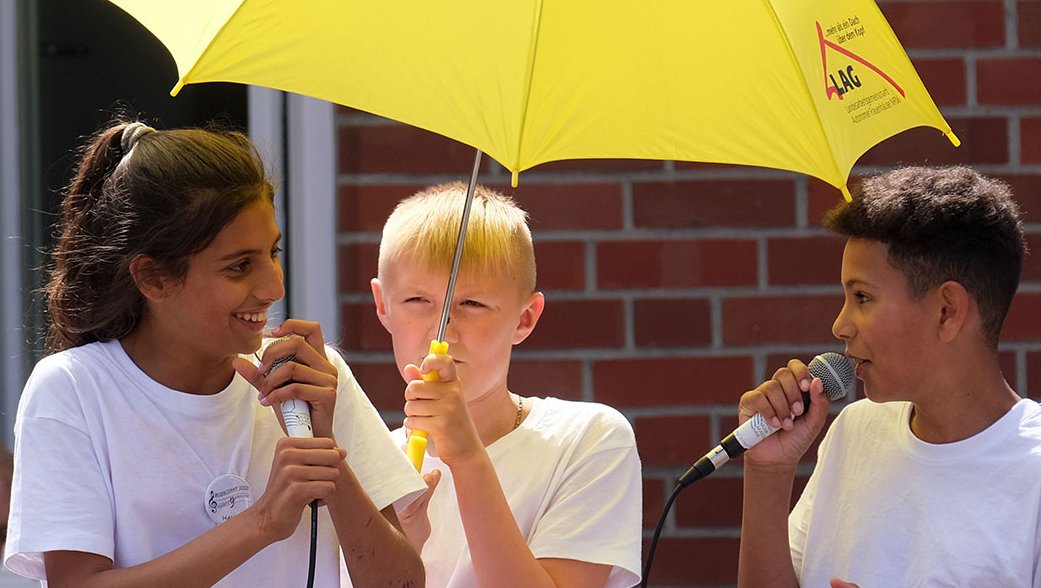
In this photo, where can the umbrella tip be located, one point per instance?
(846, 194)
(177, 88)
(514, 179)
(953, 138)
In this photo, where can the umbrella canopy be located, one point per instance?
(800, 85)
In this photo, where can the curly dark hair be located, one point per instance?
(941, 224)
(167, 197)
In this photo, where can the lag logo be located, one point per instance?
(842, 80)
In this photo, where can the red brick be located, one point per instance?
(561, 265)
(1029, 24)
(668, 440)
(382, 384)
(571, 207)
(1033, 388)
(653, 501)
(672, 322)
(364, 332)
(822, 197)
(795, 319)
(1026, 189)
(401, 149)
(356, 266)
(711, 502)
(579, 324)
(948, 24)
(676, 264)
(714, 203)
(983, 140)
(1007, 362)
(944, 79)
(694, 561)
(1032, 263)
(794, 261)
(1030, 139)
(557, 378)
(1009, 80)
(1023, 322)
(672, 381)
(364, 208)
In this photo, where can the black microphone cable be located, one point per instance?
(314, 544)
(657, 532)
(837, 376)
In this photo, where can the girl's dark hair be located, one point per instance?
(940, 224)
(166, 195)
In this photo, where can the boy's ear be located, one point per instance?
(529, 317)
(381, 305)
(955, 307)
(150, 278)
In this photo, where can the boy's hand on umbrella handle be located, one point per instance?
(414, 519)
(436, 348)
(416, 446)
(438, 407)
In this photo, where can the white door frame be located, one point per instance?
(297, 138)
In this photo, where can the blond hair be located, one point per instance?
(424, 227)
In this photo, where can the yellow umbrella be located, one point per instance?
(800, 85)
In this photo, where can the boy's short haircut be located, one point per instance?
(425, 227)
(940, 224)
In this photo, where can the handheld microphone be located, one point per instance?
(297, 415)
(837, 375)
(295, 412)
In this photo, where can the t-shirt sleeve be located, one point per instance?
(596, 514)
(60, 495)
(378, 462)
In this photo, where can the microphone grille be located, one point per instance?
(836, 373)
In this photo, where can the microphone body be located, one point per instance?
(838, 377)
(295, 412)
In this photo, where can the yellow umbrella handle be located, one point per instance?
(417, 440)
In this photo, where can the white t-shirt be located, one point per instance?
(571, 475)
(108, 461)
(884, 508)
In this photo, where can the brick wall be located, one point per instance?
(673, 287)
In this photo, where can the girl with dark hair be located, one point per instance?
(141, 456)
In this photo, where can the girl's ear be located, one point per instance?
(149, 277)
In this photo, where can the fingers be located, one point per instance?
(411, 372)
(779, 399)
(420, 504)
(306, 468)
(311, 332)
(444, 365)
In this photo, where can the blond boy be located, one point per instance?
(523, 491)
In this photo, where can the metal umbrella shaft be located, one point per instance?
(416, 447)
(459, 242)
